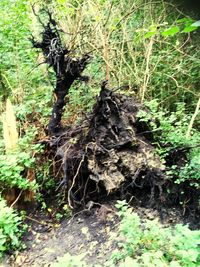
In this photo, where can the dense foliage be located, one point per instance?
(10, 231)
(149, 244)
(170, 133)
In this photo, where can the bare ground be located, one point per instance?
(93, 233)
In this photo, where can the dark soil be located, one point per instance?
(88, 232)
(91, 232)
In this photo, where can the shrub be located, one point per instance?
(10, 231)
(14, 165)
(11, 170)
(170, 132)
(149, 244)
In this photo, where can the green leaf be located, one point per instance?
(171, 31)
(183, 20)
(189, 29)
(150, 33)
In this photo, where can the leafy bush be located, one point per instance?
(11, 169)
(170, 132)
(15, 56)
(149, 244)
(10, 231)
(191, 170)
(14, 165)
(170, 127)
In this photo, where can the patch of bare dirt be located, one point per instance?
(92, 232)
(88, 232)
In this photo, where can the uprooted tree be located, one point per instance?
(110, 151)
(107, 152)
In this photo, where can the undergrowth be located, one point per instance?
(170, 134)
(150, 244)
(15, 164)
(10, 228)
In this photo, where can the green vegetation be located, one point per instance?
(10, 230)
(170, 132)
(13, 165)
(150, 244)
(134, 47)
(151, 47)
(70, 261)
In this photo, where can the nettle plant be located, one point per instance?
(149, 244)
(170, 130)
(10, 231)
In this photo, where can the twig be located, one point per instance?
(9, 85)
(147, 74)
(34, 220)
(108, 17)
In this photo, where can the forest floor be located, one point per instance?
(93, 233)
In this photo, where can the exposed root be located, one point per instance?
(67, 67)
(74, 180)
(106, 154)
